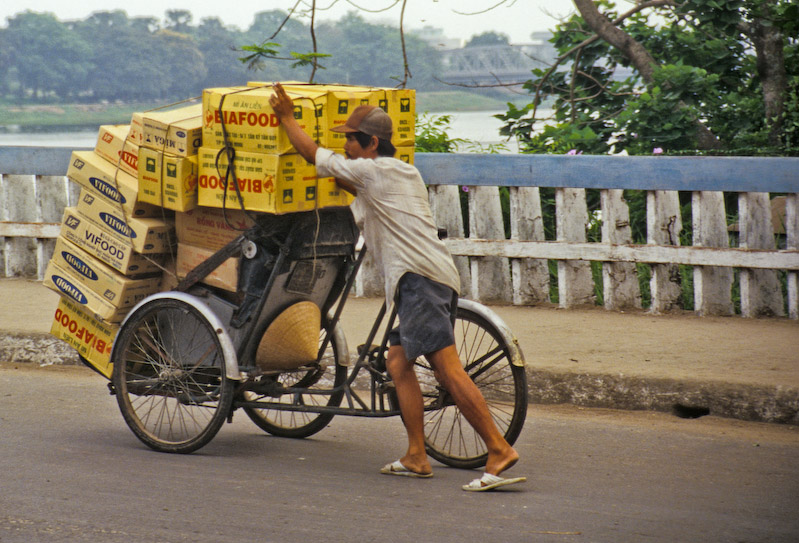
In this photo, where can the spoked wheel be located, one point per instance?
(486, 357)
(169, 376)
(330, 374)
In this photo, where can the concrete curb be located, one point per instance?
(760, 403)
(738, 401)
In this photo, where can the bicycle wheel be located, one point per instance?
(299, 424)
(169, 376)
(486, 357)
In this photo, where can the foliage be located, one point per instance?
(432, 136)
(706, 73)
(488, 38)
(111, 57)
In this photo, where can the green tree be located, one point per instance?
(488, 38)
(218, 46)
(49, 60)
(718, 76)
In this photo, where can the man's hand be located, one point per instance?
(283, 107)
(281, 103)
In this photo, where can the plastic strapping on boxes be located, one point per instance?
(230, 154)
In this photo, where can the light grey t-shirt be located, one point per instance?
(393, 213)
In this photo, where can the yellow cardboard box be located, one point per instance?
(146, 235)
(400, 104)
(91, 338)
(66, 284)
(107, 247)
(113, 145)
(167, 180)
(405, 154)
(267, 183)
(210, 227)
(341, 100)
(226, 276)
(174, 131)
(115, 288)
(136, 133)
(250, 122)
(90, 170)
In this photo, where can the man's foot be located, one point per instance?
(397, 468)
(497, 463)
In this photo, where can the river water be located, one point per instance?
(479, 127)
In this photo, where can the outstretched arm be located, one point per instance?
(284, 109)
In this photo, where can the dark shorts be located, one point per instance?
(426, 311)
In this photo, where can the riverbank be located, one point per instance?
(32, 118)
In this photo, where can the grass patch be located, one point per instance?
(44, 116)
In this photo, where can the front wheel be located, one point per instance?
(169, 376)
(486, 355)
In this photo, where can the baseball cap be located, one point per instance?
(370, 120)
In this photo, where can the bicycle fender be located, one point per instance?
(341, 342)
(516, 356)
(228, 350)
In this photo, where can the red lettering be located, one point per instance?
(100, 345)
(58, 314)
(256, 185)
(64, 320)
(73, 327)
(79, 335)
(89, 337)
(274, 121)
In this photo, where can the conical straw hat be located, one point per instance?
(292, 339)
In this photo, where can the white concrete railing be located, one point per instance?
(499, 270)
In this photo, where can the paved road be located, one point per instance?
(70, 470)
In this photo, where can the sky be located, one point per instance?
(460, 19)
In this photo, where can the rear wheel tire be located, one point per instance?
(486, 357)
(330, 375)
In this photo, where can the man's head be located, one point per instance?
(366, 123)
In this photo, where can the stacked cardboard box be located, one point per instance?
(201, 232)
(111, 249)
(114, 244)
(267, 175)
(167, 164)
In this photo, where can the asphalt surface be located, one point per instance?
(746, 369)
(72, 471)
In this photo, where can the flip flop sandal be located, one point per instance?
(396, 468)
(490, 482)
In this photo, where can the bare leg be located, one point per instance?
(450, 373)
(411, 405)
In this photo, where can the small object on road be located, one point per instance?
(490, 482)
(396, 468)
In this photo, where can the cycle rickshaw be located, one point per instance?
(186, 360)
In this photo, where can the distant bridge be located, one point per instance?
(507, 65)
(495, 64)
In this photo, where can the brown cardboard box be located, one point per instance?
(225, 276)
(91, 338)
(107, 247)
(115, 288)
(210, 227)
(146, 235)
(113, 145)
(90, 170)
